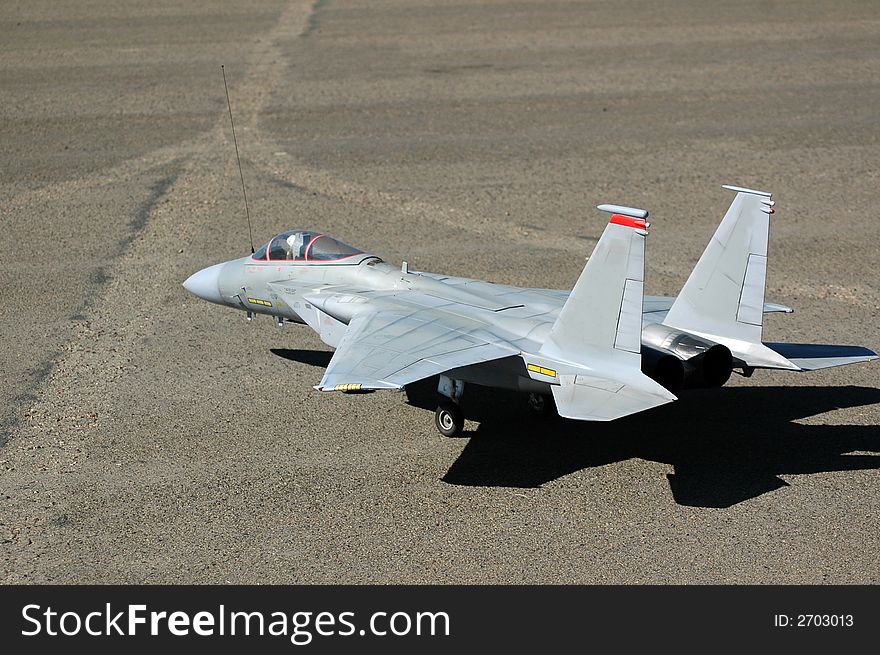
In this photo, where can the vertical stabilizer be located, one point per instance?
(594, 347)
(724, 295)
(603, 315)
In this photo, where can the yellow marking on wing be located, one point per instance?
(534, 368)
(352, 386)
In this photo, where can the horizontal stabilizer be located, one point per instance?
(776, 308)
(813, 356)
(663, 303)
(590, 398)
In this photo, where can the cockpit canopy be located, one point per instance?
(305, 246)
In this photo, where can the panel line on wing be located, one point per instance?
(387, 349)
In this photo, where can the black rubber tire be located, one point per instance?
(449, 419)
(540, 404)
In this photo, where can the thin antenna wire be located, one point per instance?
(247, 211)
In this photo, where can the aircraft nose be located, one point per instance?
(205, 283)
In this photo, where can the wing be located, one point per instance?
(390, 348)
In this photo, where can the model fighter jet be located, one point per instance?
(598, 353)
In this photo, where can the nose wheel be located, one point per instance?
(449, 419)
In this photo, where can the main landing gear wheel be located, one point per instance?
(449, 419)
(540, 404)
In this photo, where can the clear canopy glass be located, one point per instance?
(305, 246)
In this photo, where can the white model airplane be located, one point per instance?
(600, 352)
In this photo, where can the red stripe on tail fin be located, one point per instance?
(628, 221)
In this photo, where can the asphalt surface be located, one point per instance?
(152, 437)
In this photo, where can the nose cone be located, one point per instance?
(205, 284)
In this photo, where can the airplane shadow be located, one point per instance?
(727, 445)
(318, 358)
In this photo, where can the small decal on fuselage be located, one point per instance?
(260, 301)
(534, 368)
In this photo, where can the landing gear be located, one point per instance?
(449, 419)
(541, 404)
